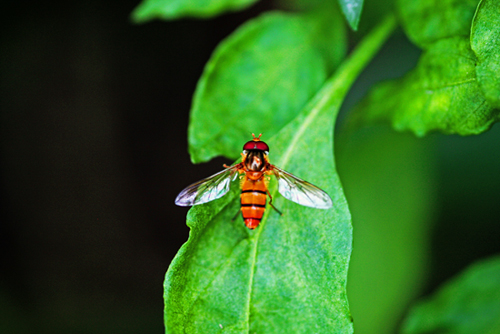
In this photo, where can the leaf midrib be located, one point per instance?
(341, 80)
(283, 162)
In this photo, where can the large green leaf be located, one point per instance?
(352, 11)
(388, 179)
(485, 42)
(427, 21)
(470, 303)
(174, 9)
(289, 275)
(441, 94)
(260, 77)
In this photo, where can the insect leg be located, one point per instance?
(271, 203)
(236, 215)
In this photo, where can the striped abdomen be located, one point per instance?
(253, 201)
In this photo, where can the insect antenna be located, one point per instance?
(256, 138)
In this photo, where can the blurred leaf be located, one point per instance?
(388, 179)
(352, 11)
(427, 21)
(440, 94)
(306, 5)
(485, 42)
(260, 77)
(288, 275)
(470, 303)
(175, 9)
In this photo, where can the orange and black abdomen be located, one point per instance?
(253, 201)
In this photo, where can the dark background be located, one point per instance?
(94, 115)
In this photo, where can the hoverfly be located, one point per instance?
(255, 171)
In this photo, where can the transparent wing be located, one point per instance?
(208, 189)
(300, 191)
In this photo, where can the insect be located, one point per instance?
(255, 171)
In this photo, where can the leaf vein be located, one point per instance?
(214, 276)
(453, 84)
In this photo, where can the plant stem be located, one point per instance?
(332, 94)
(336, 87)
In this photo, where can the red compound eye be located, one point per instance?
(256, 145)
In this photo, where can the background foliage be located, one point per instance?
(93, 120)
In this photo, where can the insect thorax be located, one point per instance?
(255, 161)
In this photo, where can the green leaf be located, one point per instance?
(175, 9)
(470, 303)
(485, 42)
(427, 21)
(441, 94)
(260, 77)
(288, 275)
(388, 179)
(352, 11)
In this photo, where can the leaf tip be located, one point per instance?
(352, 11)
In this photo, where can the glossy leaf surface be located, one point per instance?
(289, 274)
(427, 21)
(470, 303)
(485, 42)
(441, 94)
(260, 77)
(352, 11)
(175, 9)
